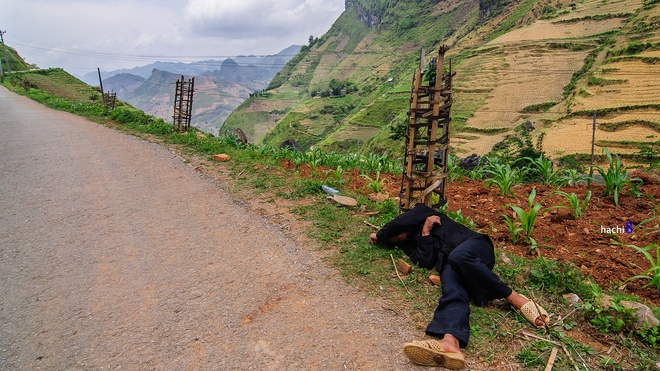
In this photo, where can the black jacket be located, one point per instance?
(432, 250)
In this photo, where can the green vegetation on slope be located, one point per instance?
(16, 63)
(57, 82)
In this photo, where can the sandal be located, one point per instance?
(532, 312)
(431, 353)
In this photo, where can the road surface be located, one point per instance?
(114, 254)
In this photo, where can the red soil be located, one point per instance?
(567, 240)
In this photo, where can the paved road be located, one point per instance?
(114, 254)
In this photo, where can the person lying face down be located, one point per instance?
(464, 259)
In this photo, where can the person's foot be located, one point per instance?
(532, 312)
(434, 353)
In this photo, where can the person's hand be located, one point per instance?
(429, 223)
(373, 238)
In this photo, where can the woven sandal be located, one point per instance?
(431, 353)
(530, 312)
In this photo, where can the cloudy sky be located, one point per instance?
(81, 35)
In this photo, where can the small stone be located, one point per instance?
(645, 316)
(494, 230)
(378, 197)
(343, 200)
(493, 210)
(633, 237)
(554, 211)
(573, 298)
(458, 197)
(435, 280)
(586, 230)
(404, 267)
(200, 135)
(221, 157)
(482, 201)
(598, 251)
(505, 259)
(571, 234)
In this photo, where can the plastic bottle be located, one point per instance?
(329, 190)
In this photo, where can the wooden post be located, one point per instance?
(101, 86)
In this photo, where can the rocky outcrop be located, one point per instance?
(491, 8)
(370, 18)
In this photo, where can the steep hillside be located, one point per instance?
(550, 62)
(16, 63)
(57, 82)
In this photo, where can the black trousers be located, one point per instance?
(467, 276)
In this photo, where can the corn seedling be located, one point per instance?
(338, 174)
(540, 169)
(375, 184)
(652, 274)
(504, 177)
(578, 208)
(514, 228)
(616, 179)
(527, 219)
(654, 226)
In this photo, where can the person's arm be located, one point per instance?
(423, 252)
(429, 223)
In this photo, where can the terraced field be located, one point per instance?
(493, 89)
(548, 29)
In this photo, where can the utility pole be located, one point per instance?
(4, 49)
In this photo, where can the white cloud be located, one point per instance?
(261, 19)
(116, 31)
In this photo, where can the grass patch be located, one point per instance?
(616, 126)
(510, 22)
(594, 80)
(488, 131)
(598, 17)
(647, 60)
(540, 107)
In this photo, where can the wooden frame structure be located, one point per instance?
(183, 100)
(427, 141)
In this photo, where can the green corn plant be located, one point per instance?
(314, 164)
(527, 219)
(616, 179)
(514, 228)
(652, 274)
(338, 174)
(541, 169)
(653, 229)
(578, 208)
(375, 184)
(504, 177)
